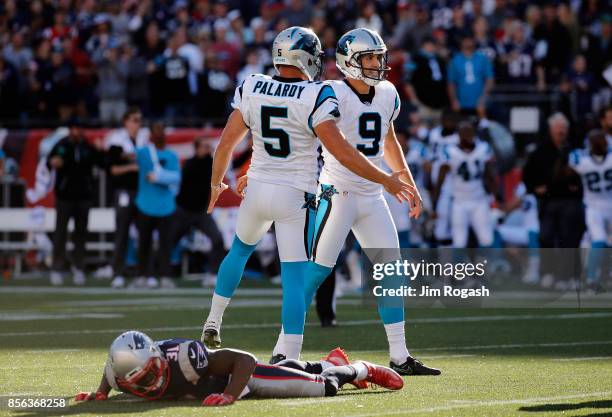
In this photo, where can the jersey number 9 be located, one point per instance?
(370, 127)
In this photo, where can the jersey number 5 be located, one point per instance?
(370, 127)
(283, 149)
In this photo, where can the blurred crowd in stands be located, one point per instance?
(82, 63)
(181, 60)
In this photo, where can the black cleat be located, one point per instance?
(211, 338)
(413, 366)
(277, 358)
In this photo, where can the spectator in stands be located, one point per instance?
(556, 42)
(605, 119)
(158, 180)
(18, 53)
(151, 50)
(9, 90)
(459, 26)
(470, 79)
(259, 42)
(137, 79)
(60, 85)
(112, 72)
(175, 83)
(421, 27)
(484, 43)
(579, 81)
(519, 64)
(123, 170)
(192, 202)
(84, 77)
(559, 194)
(215, 88)
(193, 54)
(253, 66)
(227, 52)
(427, 78)
(369, 18)
(73, 160)
(298, 12)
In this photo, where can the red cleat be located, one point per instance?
(339, 358)
(383, 376)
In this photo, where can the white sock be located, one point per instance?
(293, 345)
(217, 308)
(325, 365)
(396, 336)
(279, 348)
(362, 370)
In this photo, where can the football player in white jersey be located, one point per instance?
(521, 227)
(285, 114)
(595, 168)
(470, 165)
(369, 104)
(439, 138)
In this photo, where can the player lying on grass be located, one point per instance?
(186, 369)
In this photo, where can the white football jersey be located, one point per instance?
(415, 157)
(529, 208)
(365, 125)
(281, 114)
(438, 141)
(596, 177)
(467, 170)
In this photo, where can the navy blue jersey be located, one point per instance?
(520, 64)
(187, 363)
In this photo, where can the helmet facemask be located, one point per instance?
(371, 76)
(148, 381)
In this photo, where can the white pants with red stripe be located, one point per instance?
(270, 381)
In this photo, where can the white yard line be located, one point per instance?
(493, 403)
(50, 350)
(177, 302)
(583, 358)
(35, 316)
(433, 320)
(312, 401)
(135, 291)
(444, 356)
(45, 367)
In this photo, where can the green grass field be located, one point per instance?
(495, 362)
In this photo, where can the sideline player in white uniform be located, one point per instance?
(521, 227)
(416, 154)
(470, 165)
(179, 368)
(368, 104)
(595, 168)
(441, 137)
(285, 114)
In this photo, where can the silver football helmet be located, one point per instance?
(352, 46)
(299, 47)
(138, 364)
